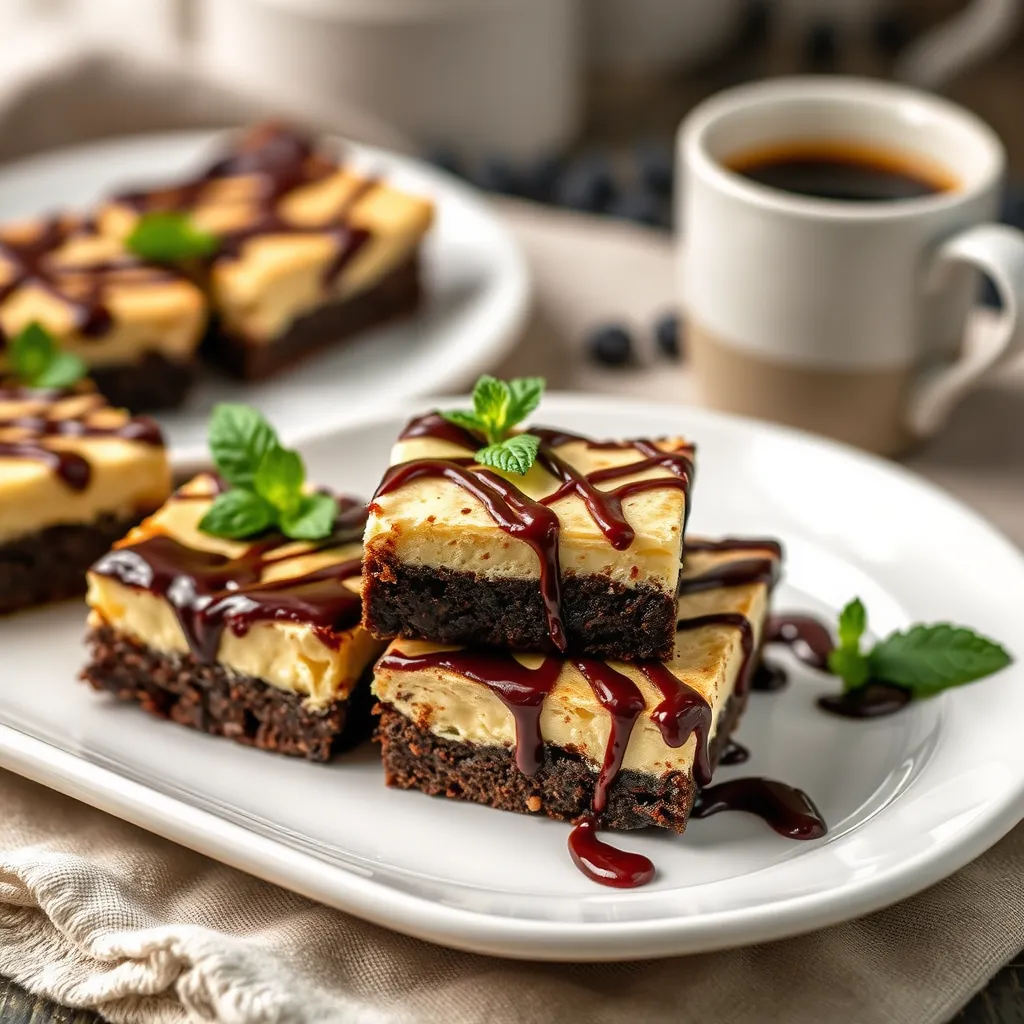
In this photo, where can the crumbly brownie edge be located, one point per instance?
(50, 565)
(602, 617)
(154, 382)
(399, 294)
(216, 700)
(563, 787)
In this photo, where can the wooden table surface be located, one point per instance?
(620, 112)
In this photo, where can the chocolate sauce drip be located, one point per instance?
(769, 678)
(282, 160)
(872, 700)
(787, 810)
(532, 521)
(71, 468)
(619, 696)
(738, 621)
(522, 690)
(734, 753)
(210, 592)
(808, 637)
(606, 864)
(682, 713)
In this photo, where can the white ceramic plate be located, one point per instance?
(477, 286)
(908, 799)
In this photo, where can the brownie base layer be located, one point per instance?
(562, 788)
(51, 565)
(155, 382)
(601, 617)
(215, 700)
(397, 295)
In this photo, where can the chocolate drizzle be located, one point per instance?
(789, 811)
(29, 432)
(809, 638)
(281, 159)
(210, 592)
(532, 520)
(734, 753)
(682, 713)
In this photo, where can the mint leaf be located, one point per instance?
(239, 439)
(237, 514)
(64, 370)
(466, 420)
(524, 397)
(853, 620)
(850, 665)
(929, 659)
(170, 238)
(38, 362)
(279, 478)
(515, 454)
(311, 519)
(490, 403)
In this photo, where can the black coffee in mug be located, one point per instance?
(845, 171)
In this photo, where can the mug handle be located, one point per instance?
(998, 252)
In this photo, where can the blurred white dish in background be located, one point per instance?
(482, 76)
(477, 288)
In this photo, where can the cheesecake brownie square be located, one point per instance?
(257, 640)
(309, 251)
(573, 737)
(137, 326)
(75, 476)
(581, 553)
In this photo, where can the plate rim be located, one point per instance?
(508, 299)
(530, 938)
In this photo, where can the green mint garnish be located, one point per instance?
(924, 660)
(38, 362)
(498, 406)
(266, 481)
(170, 238)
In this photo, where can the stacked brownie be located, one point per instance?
(552, 650)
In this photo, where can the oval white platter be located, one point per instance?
(477, 284)
(908, 799)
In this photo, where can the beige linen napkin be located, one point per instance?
(96, 913)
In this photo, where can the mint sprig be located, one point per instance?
(37, 361)
(168, 237)
(266, 481)
(498, 406)
(924, 660)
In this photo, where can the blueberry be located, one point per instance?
(587, 184)
(654, 166)
(610, 345)
(821, 46)
(495, 174)
(666, 335)
(445, 158)
(638, 204)
(891, 31)
(756, 22)
(538, 179)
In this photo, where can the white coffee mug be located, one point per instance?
(840, 316)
